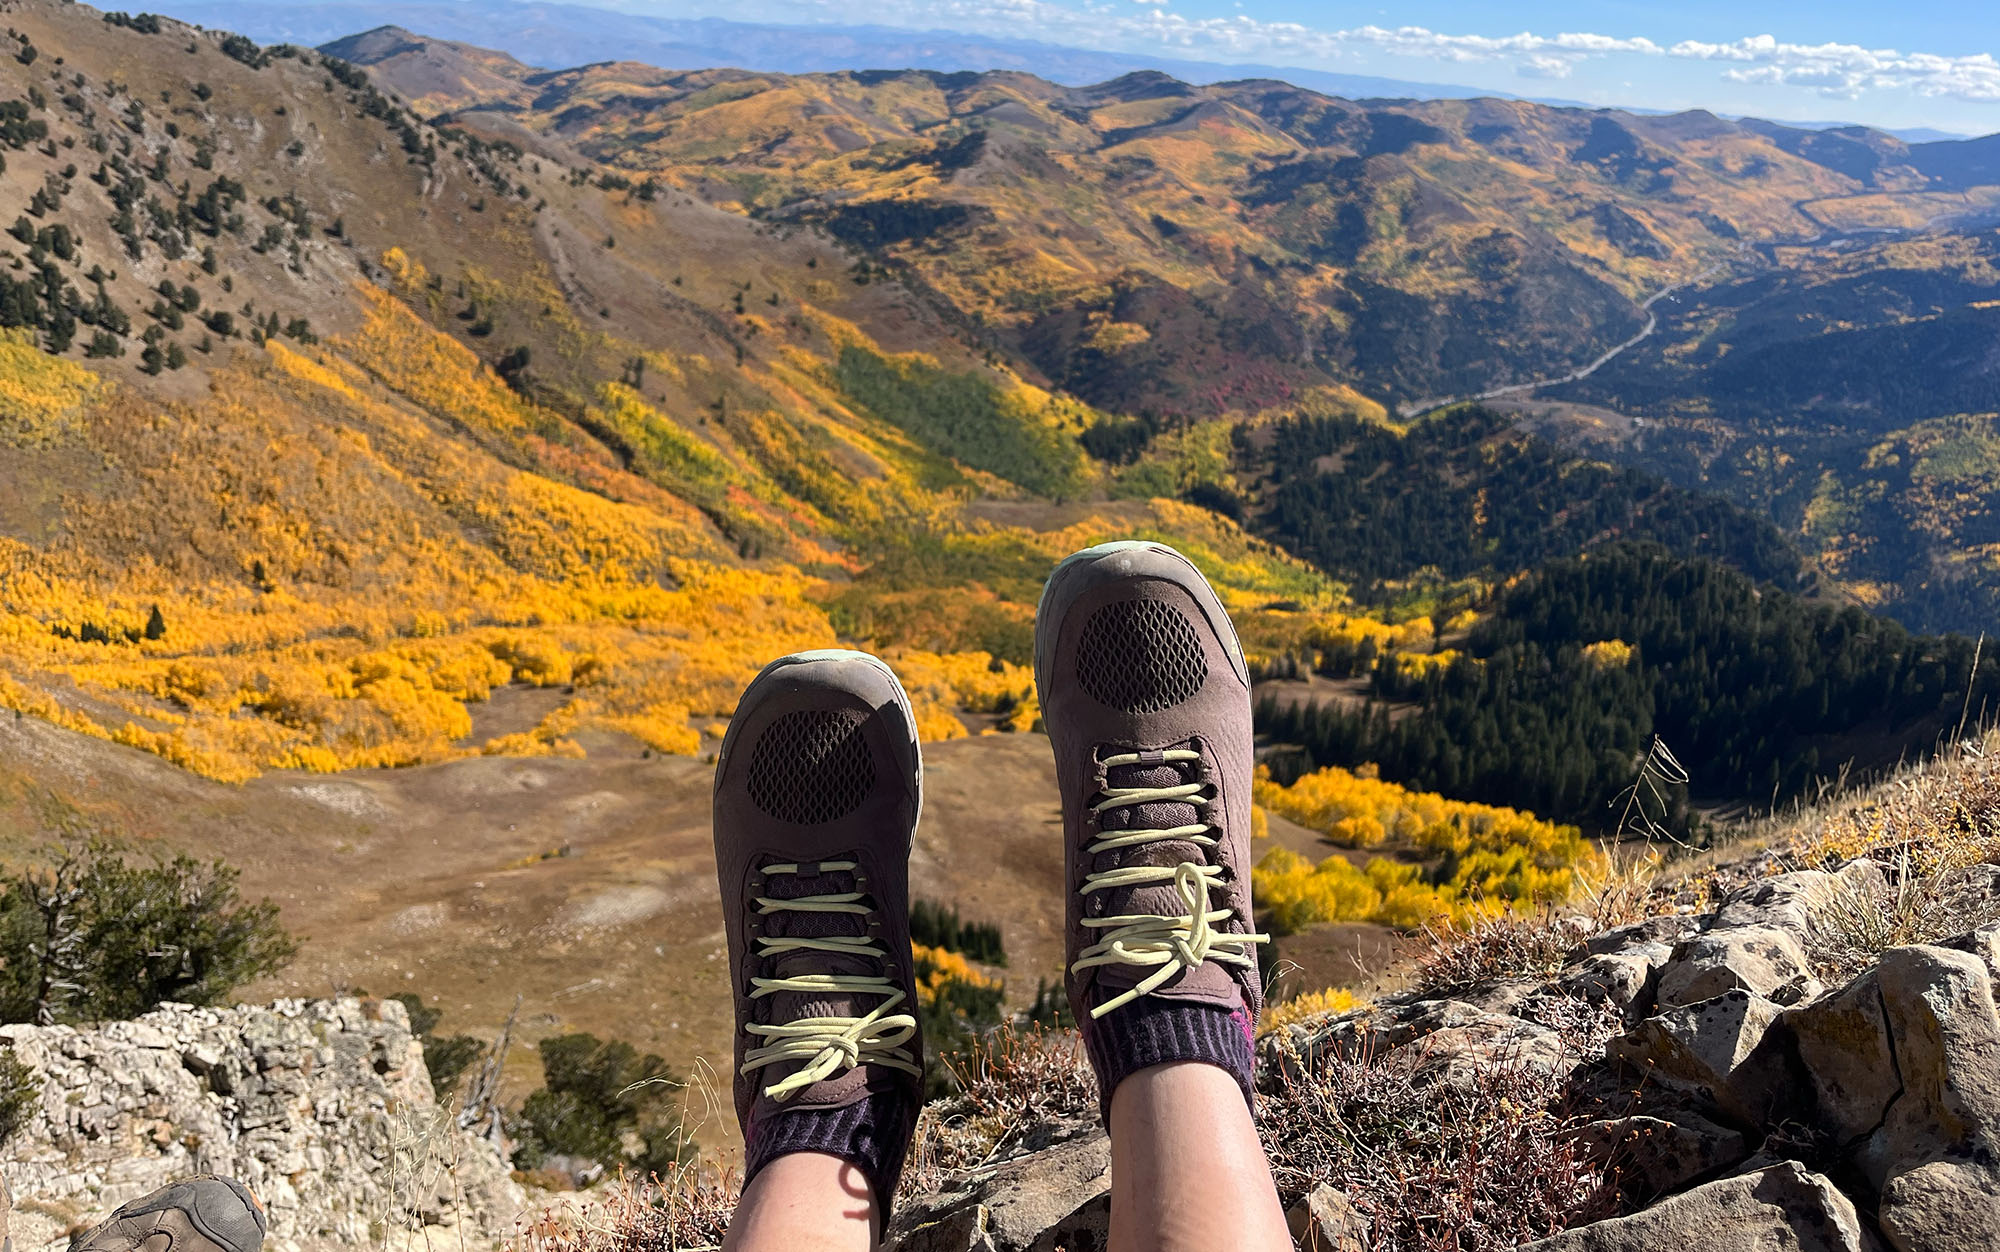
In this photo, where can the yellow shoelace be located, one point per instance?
(828, 1043)
(1172, 943)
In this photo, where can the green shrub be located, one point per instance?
(603, 1101)
(94, 937)
(20, 1087)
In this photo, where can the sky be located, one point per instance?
(1918, 63)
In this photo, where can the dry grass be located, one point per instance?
(1509, 945)
(689, 1208)
(1487, 1162)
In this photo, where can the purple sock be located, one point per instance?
(873, 1132)
(1150, 1031)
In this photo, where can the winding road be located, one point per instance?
(1419, 408)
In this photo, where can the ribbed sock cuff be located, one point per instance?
(873, 1132)
(1151, 1031)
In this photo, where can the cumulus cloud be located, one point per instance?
(1844, 70)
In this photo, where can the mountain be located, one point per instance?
(562, 35)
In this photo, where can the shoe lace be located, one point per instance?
(1172, 942)
(827, 1043)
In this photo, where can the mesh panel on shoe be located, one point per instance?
(812, 766)
(1139, 656)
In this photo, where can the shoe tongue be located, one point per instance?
(1161, 899)
(788, 1006)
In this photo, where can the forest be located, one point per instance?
(1562, 687)
(1464, 494)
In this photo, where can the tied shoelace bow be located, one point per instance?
(827, 1043)
(1173, 943)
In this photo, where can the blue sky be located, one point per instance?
(1917, 63)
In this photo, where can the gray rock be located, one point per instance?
(1782, 901)
(1626, 979)
(1058, 1197)
(323, 1107)
(1781, 1209)
(1653, 931)
(1652, 1156)
(1849, 1062)
(1723, 1049)
(1935, 1153)
(1326, 1221)
(1762, 960)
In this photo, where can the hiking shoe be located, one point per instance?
(817, 791)
(203, 1214)
(1147, 702)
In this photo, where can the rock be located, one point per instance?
(1624, 979)
(1723, 1049)
(1762, 960)
(1782, 901)
(323, 1108)
(1326, 1221)
(1662, 932)
(1934, 1155)
(1844, 1049)
(1784, 1208)
(1943, 1206)
(1653, 1157)
(1058, 1197)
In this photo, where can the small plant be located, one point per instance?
(1508, 945)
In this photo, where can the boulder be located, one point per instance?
(1935, 1154)
(1624, 979)
(1782, 901)
(1847, 1057)
(1723, 1049)
(1763, 960)
(1058, 1197)
(1785, 1208)
(1652, 1156)
(1325, 1220)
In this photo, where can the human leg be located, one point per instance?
(1147, 700)
(817, 791)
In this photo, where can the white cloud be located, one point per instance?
(1834, 69)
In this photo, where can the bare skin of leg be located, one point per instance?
(1187, 1171)
(807, 1202)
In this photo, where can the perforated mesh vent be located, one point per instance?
(1139, 656)
(812, 766)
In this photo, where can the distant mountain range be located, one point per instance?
(561, 36)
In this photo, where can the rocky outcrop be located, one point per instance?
(1729, 1098)
(322, 1107)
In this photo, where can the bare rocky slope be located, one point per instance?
(322, 1107)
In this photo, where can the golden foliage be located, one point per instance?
(42, 397)
(1494, 856)
(1330, 1002)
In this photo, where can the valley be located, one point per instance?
(406, 455)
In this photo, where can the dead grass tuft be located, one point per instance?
(1488, 1161)
(689, 1209)
(1509, 945)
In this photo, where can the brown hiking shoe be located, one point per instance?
(204, 1214)
(1147, 702)
(817, 792)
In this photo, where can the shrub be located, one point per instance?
(20, 1087)
(94, 937)
(958, 1006)
(603, 1101)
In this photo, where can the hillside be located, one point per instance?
(1197, 250)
